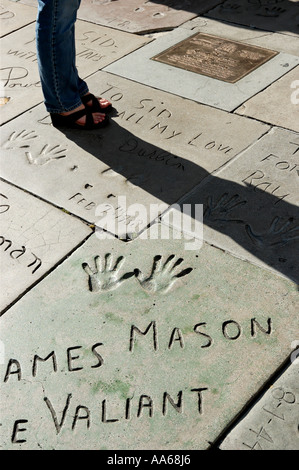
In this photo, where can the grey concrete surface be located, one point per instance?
(149, 270)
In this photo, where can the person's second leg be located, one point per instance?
(61, 85)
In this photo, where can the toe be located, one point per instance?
(98, 117)
(104, 103)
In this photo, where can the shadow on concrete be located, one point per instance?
(268, 15)
(263, 224)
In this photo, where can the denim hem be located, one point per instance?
(58, 111)
(84, 91)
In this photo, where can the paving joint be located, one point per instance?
(149, 271)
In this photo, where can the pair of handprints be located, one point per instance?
(45, 154)
(279, 233)
(105, 275)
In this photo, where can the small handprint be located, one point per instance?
(46, 155)
(220, 209)
(20, 140)
(162, 276)
(105, 276)
(272, 12)
(230, 6)
(275, 236)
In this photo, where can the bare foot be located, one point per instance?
(97, 117)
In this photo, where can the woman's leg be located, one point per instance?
(55, 39)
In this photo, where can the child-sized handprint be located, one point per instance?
(276, 235)
(105, 277)
(221, 208)
(271, 12)
(20, 140)
(46, 155)
(162, 276)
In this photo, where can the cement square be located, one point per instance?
(270, 40)
(272, 423)
(96, 47)
(140, 345)
(139, 16)
(156, 149)
(34, 238)
(278, 104)
(14, 16)
(280, 16)
(26, 2)
(251, 205)
(140, 66)
(216, 57)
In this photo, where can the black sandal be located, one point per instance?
(69, 120)
(95, 106)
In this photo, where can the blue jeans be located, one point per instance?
(55, 40)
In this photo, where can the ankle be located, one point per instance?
(67, 113)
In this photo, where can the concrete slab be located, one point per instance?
(26, 2)
(140, 67)
(139, 16)
(96, 47)
(281, 16)
(34, 237)
(251, 205)
(267, 39)
(156, 149)
(272, 424)
(264, 106)
(213, 56)
(13, 16)
(164, 359)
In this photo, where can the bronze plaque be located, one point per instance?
(215, 57)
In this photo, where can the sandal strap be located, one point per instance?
(73, 117)
(95, 102)
(59, 120)
(89, 122)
